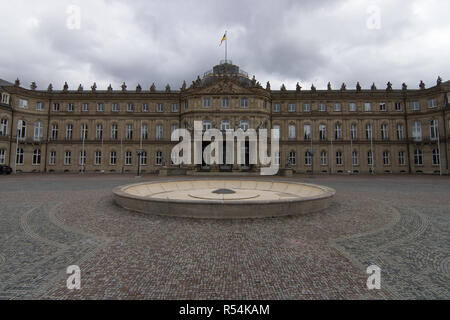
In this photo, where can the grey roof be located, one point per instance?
(5, 83)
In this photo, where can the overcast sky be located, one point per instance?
(145, 41)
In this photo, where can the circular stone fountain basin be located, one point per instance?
(224, 199)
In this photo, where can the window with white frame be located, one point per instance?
(276, 130)
(352, 106)
(291, 107)
(338, 131)
(277, 158)
(40, 106)
(307, 132)
(398, 106)
(99, 132)
(353, 131)
(401, 158)
(144, 158)
(292, 158)
(418, 157)
(98, 158)
(322, 107)
(382, 106)
(115, 107)
(159, 132)
(2, 156)
(206, 102)
(21, 129)
(244, 103)
(225, 125)
(367, 106)
(225, 102)
(129, 132)
(114, 131)
(432, 103)
(160, 107)
(84, 131)
(56, 107)
(83, 157)
(52, 158)
(23, 103)
(36, 157)
(54, 132)
(384, 132)
(308, 158)
(19, 157)
(369, 131)
(128, 158)
(144, 131)
(355, 158)
(292, 134)
(206, 125)
(85, 107)
(174, 107)
(339, 158)
(113, 158)
(276, 107)
(145, 107)
(100, 107)
(417, 131)
(69, 130)
(244, 125)
(306, 107)
(67, 158)
(70, 107)
(386, 158)
(436, 159)
(323, 132)
(434, 129)
(5, 98)
(323, 158)
(369, 158)
(415, 106)
(38, 131)
(4, 127)
(159, 157)
(173, 127)
(337, 107)
(400, 134)
(130, 107)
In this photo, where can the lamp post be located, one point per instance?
(139, 154)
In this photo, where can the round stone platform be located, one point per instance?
(224, 199)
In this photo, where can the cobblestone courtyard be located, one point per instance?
(400, 223)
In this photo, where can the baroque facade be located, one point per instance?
(321, 131)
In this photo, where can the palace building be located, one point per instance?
(321, 131)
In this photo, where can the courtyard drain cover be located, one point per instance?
(224, 191)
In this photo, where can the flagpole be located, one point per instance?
(226, 46)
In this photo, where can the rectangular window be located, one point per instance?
(83, 157)
(308, 158)
(145, 107)
(226, 102)
(323, 158)
(384, 132)
(401, 158)
(56, 107)
(339, 158)
(352, 107)
(115, 107)
(19, 158)
(85, 107)
(67, 158)
(144, 158)
(130, 107)
(38, 131)
(159, 158)
(434, 129)
(398, 106)
(113, 158)
(114, 132)
(100, 107)
(40, 106)
(160, 107)
(23, 103)
(382, 106)
(367, 107)
(206, 102)
(306, 107)
(337, 107)
(323, 132)
(307, 131)
(98, 158)
(353, 131)
(417, 131)
(144, 132)
(418, 157)
(2, 156)
(436, 157)
(174, 107)
(369, 158)
(225, 125)
(70, 107)
(244, 103)
(432, 103)
(400, 135)
(292, 134)
(244, 125)
(291, 107)
(159, 132)
(128, 158)
(69, 129)
(54, 132)
(4, 127)
(36, 157)
(84, 131)
(52, 158)
(276, 107)
(355, 158)
(129, 132)
(322, 107)
(415, 106)
(386, 158)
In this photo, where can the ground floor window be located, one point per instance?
(308, 159)
(401, 158)
(128, 158)
(67, 158)
(144, 158)
(113, 158)
(323, 158)
(339, 158)
(436, 157)
(355, 158)
(52, 158)
(98, 158)
(83, 158)
(292, 158)
(369, 158)
(159, 157)
(386, 158)
(418, 157)
(19, 158)
(2, 156)
(37, 157)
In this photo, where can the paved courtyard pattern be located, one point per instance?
(400, 223)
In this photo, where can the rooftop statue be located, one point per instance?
(343, 87)
(268, 86)
(124, 87)
(439, 80)
(17, 82)
(329, 86)
(283, 87)
(358, 87)
(65, 87)
(94, 87)
(33, 86)
(167, 88)
(183, 86)
(138, 88)
(153, 87)
(373, 87)
(50, 88)
(298, 87)
(389, 86)
(421, 85)
(80, 88)
(404, 86)
(313, 88)
(110, 89)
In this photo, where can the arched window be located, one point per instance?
(338, 131)
(323, 132)
(384, 132)
(292, 134)
(38, 131)
(354, 131)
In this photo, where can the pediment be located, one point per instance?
(224, 86)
